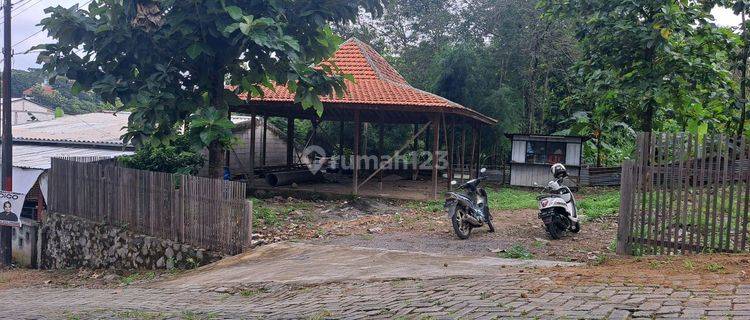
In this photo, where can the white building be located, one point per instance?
(27, 111)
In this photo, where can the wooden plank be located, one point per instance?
(722, 214)
(736, 193)
(626, 212)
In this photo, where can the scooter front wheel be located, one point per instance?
(460, 226)
(489, 220)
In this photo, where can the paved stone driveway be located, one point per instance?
(514, 295)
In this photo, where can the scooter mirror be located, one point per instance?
(454, 182)
(483, 170)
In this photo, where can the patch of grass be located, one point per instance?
(539, 244)
(130, 279)
(512, 198)
(600, 260)
(139, 314)
(263, 214)
(715, 267)
(252, 292)
(600, 205)
(518, 251)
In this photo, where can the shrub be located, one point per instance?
(175, 158)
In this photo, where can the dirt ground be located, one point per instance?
(416, 226)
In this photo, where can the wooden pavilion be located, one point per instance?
(380, 95)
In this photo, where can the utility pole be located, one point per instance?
(7, 156)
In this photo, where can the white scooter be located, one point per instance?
(557, 205)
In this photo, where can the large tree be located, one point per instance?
(171, 62)
(662, 60)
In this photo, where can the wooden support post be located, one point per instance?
(451, 143)
(264, 147)
(251, 174)
(381, 152)
(341, 141)
(435, 146)
(472, 162)
(479, 149)
(463, 151)
(415, 155)
(290, 142)
(355, 166)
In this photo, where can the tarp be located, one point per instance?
(24, 180)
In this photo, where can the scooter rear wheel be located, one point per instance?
(554, 232)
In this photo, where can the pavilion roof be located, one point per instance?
(377, 85)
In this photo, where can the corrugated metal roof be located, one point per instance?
(40, 157)
(103, 128)
(98, 127)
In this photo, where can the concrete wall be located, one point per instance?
(25, 244)
(72, 242)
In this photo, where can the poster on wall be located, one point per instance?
(12, 205)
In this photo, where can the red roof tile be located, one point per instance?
(376, 83)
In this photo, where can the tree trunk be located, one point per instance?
(215, 150)
(215, 160)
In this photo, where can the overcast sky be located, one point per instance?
(31, 11)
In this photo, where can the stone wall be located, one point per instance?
(72, 242)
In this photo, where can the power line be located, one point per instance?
(42, 30)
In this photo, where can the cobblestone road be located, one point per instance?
(524, 295)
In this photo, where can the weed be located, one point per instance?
(367, 237)
(322, 315)
(484, 296)
(600, 260)
(539, 244)
(518, 251)
(138, 314)
(715, 267)
(688, 264)
(612, 245)
(655, 264)
(253, 292)
(130, 279)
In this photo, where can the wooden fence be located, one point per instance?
(206, 213)
(683, 194)
(604, 177)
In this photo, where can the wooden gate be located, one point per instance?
(684, 194)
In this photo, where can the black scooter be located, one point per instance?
(469, 210)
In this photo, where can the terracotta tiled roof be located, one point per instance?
(376, 83)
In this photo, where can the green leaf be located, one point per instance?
(235, 12)
(194, 50)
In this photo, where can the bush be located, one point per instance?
(175, 158)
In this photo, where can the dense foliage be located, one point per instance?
(61, 97)
(170, 61)
(178, 157)
(598, 68)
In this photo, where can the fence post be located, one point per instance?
(249, 217)
(626, 208)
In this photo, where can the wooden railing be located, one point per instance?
(206, 213)
(684, 194)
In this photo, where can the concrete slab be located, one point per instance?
(302, 263)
